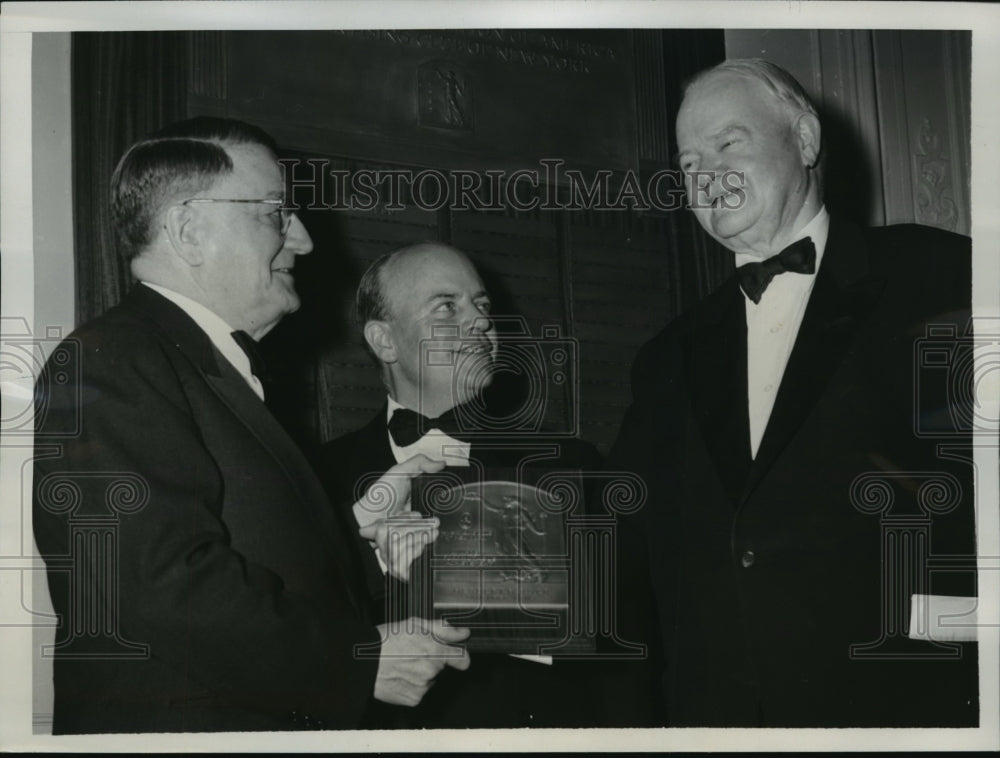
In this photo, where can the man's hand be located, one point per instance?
(413, 653)
(401, 539)
(387, 504)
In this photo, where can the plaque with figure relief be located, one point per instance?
(501, 564)
(477, 99)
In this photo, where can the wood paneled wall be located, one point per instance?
(602, 281)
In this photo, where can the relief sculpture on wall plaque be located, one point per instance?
(443, 96)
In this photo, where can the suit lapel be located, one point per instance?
(371, 454)
(716, 357)
(229, 385)
(233, 391)
(845, 292)
(374, 451)
(175, 326)
(368, 456)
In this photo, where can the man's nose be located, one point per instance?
(700, 187)
(298, 240)
(705, 184)
(712, 164)
(480, 324)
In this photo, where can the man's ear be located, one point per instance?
(185, 234)
(378, 335)
(807, 133)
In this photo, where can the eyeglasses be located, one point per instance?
(285, 214)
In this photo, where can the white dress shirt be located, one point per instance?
(218, 331)
(772, 326)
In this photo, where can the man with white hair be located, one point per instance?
(764, 422)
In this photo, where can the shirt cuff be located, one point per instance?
(546, 659)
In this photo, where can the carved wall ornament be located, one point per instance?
(444, 97)
(935, 204)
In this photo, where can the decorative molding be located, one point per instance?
(933, 198)
(922, 107)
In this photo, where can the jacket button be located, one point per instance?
(747, 558)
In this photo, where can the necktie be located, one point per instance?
(799, 258)
(258, 366)
(406, 426)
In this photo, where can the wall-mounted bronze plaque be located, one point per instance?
(447, 98)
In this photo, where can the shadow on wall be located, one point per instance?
(848, 174)
(325, 280)
(509, 389)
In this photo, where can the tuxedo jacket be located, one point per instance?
(202, 581)
(497, 691)
(780, 586)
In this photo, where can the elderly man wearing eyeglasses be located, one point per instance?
(220, 592)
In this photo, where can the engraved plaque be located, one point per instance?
(500, 565)
(446, 98)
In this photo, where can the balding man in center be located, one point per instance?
(433, 292)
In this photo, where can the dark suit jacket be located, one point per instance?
(216, 549)
(497, 691)
(764, 573)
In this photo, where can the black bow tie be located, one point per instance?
(406, 426)
(258, 366)
(799, 258)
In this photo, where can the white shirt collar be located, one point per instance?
(218, 331)
(818, 228)
(392, 406)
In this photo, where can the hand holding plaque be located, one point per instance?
(401, 539)
(399, 534)
(413, 653)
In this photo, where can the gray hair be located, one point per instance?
(783, 86)
(183, 157)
